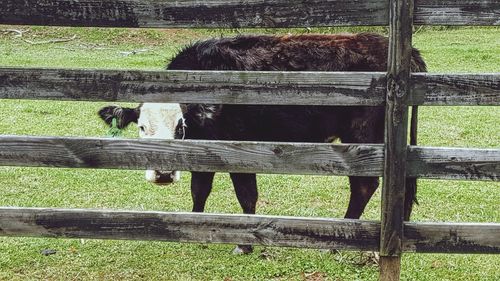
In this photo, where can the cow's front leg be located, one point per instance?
(362, 189)
(201, 185)
(245, 186)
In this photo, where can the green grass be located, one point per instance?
(445, 50)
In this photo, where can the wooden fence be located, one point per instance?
(394, 160)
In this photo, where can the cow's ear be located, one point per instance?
(124, 116)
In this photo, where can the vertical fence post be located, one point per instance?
(396, 126)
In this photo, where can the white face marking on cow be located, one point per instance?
(158, 121)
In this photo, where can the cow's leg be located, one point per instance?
(362, 189)
(245, 186)
(201, 185)
(366, 127)
(410, 197)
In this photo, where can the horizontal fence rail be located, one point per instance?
(244, 229)
(194, 13)
(457, 12)
(238, 87)
(446, 237)
(192, 155)
(455, 89)
(240, 13)
(249, 157)
(454, 163)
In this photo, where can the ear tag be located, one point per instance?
(114, 131)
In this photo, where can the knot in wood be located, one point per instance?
(278, 151)
(400, 89)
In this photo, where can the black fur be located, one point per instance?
(348, 52)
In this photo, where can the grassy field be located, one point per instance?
(444, 49)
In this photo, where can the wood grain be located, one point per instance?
(323, 233)
(235, 156)
(194, 13)
(431, 237)
(454, 163)
(237, 87)
(396, 130)
(190, 227)
(455, 89)
(457, 12)
(240, 13)
(390, 268)
(307, 88)
(192, 155)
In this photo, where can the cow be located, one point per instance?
(286, 123)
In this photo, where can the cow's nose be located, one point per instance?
(162, 177)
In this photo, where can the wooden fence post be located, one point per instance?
(396, 126)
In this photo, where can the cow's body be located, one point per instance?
(361, 52)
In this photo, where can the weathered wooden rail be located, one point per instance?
(394, 160)
(319, 233)
(239, 87)
(233, 13)
(238, 156)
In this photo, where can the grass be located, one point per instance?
(445, 50)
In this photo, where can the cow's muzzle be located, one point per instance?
(162, 177)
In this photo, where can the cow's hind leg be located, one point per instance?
(201, 185)
(410, 197)
(245, 186)
(362, 189)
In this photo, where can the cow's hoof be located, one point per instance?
(243, 250)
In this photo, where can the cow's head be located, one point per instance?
(155, 121)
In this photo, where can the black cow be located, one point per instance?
(317, 124)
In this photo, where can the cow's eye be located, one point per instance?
(142, 128)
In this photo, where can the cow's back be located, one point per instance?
(340, 52)
(343, 52)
